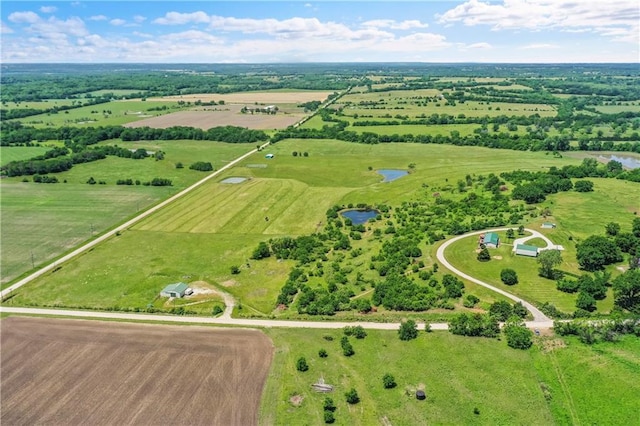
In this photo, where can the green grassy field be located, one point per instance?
(121, 112)
(48, 219)
(587, 384)
(217, 226)
(17, 153)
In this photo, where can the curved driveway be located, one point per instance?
(539, 319)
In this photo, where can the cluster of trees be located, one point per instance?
(16, 133)
(474, 324)
(202, 166)
(591, 332)
(60, 160)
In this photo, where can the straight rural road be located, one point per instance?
(538, 316)
(224, 320)
(6, 292)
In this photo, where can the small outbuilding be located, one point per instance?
(526, 250)
(548, 225)
(491, 240)
(175, 290)
(269, 156)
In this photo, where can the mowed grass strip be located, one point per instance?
(17, 153)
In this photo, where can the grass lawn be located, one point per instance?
(588, 385)
(17, 153)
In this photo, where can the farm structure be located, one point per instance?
(526, 250)
(548, 225)
(491, 240)
(175, 290)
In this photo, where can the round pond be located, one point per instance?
(359, 217)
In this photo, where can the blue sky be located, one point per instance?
(529, 31)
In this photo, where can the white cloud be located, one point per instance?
(176, 18)
(481, 45)
(4, 29)
(540, 46)
(394, 25)
(308, 5)
(117, 22)
(139, 19)
(567, 15)
(48, 9)
(24, 17)
(98, 18)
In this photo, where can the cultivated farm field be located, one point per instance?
(80, 372)
(227, 115)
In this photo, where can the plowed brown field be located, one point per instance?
(229, 116)
(75, 372)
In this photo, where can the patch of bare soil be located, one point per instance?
(296, 400)
(75, 372)
(550, 344)
(497, 257)
(229, 283)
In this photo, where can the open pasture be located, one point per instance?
(393, 107)
(585, 384)
(48, 219)
(17, 153)
(81, 372)
(114, 113)
(41, 221)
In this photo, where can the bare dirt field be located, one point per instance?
(250, 97)
(76, 372)
(228, 115)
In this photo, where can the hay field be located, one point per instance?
(251, 97)
(96, 373)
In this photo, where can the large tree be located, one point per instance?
(626, 290)
(548, 260)
(597, 251)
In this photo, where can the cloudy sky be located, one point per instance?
(321, 31)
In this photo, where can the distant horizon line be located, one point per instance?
(323, 62)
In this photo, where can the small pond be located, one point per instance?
(234, 180)
(391, 175)
(359, 217)
(629, 162)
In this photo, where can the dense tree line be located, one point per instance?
(76, 137)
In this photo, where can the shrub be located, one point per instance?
(484, 255)
(328, 417)
(389, 381)
(356, 331)
(301, 364)
(518, 336)
(509, 276)
(352, 396)
(217, 310)
(235, 270)
(408, 330)
(322, 353)
(328, 404)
